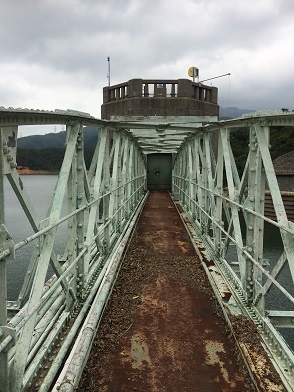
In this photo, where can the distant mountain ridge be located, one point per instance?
(232, 112)
(57, 140)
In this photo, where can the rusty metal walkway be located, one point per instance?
(163, 329)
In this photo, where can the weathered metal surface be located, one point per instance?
(160, 228)
(177, 339)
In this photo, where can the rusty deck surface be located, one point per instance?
(163, 329)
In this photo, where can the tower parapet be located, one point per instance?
(165, 98)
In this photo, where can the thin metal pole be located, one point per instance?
(216, 77)
(108, 75)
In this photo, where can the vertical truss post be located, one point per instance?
(133, 181)
(96, 193)
(136, 173)
(185, 186)
(143, 173)
(119, 183)
(78, 168)
(140, 171)
(181, 180)
(254, 224)
(71, 249)
(113, 202)
(198, 190)
(210, 182)
(219, 191)
(46, 249)
(203, 184)
(129, 180)
(259, 300)
(3, 286)
(191, 179)
(122, 190)
(252, 198)
(234, 195)
(106, 196)
(4, 370)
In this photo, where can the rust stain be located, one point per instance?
(213, 348)
(178, 339)
(259, 365)
(161, 228)
(177, 343)
(138, 353)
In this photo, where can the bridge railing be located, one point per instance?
(227, 212)
(100, 204)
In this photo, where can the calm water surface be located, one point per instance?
(40, 189)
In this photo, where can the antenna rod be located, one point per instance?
(108, 75)
(205, 80)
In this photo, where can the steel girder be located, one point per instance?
(228, 212)
(100, 206)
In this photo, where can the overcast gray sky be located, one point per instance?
(53, 53)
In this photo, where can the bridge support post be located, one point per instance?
(214, 220)
(44, 256)
(203, 187)
(129, 183)
(4, 371)
(78, 200)
(234, 223)
(113, 201)
(219, 201)
(191, 177)
(105, 189)
(255, 225)
(96, 194)
(72, 246)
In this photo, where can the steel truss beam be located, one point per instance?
(102, 204)
(226, 210)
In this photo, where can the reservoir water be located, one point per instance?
(40, 189)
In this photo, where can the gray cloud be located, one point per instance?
(53, 54)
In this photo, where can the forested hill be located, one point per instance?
(45, 152)
(281, 142)
(56, 140)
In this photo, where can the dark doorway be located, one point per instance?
(159, 171)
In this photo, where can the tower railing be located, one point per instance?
(160, 88)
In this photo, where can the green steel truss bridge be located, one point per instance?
(103, 204)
